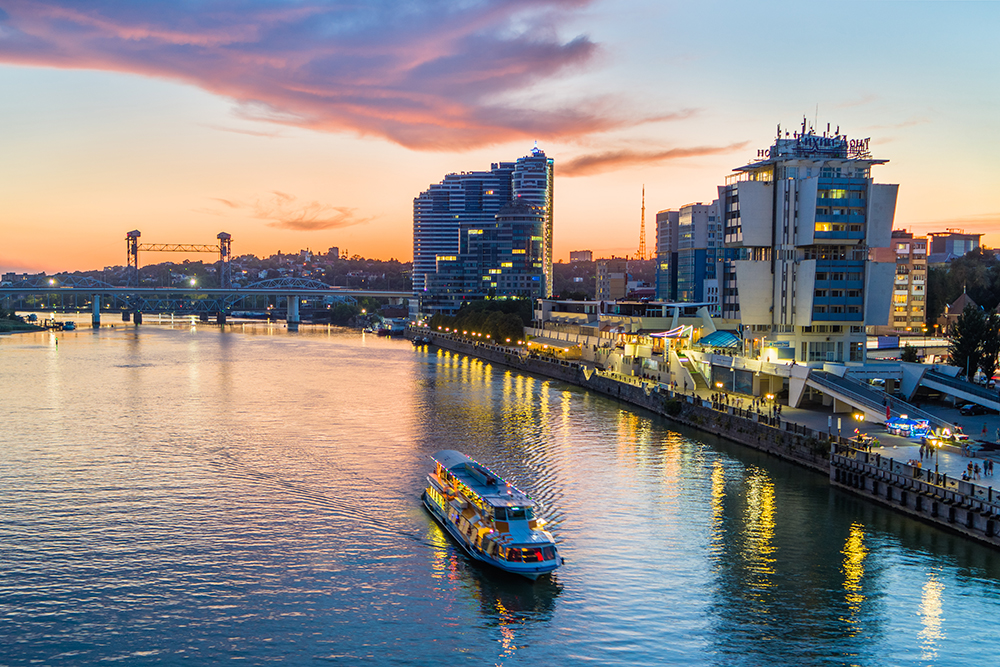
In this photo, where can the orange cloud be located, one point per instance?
(285, 211)
(596, 163)
(426, 75)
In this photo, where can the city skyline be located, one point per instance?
(310, 126)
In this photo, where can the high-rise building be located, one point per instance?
(445, 212)
(699, 246)
(909, 290)
(808, 255)
(581, 256)
(666, 254)
(612, 279)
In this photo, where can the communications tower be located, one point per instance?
(642, 226)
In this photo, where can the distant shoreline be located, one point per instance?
(17, 327)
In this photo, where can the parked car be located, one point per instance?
(972, 409)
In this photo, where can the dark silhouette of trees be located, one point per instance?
(965, 340)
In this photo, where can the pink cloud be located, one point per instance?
(428, 75)
(286, 211)
(595, 163)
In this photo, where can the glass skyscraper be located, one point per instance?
(467, 203)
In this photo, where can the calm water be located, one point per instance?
(181, 495)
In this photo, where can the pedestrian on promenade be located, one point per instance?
(976, 471)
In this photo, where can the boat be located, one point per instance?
(490, 518)
(69, 326)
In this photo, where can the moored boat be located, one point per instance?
(491, 519)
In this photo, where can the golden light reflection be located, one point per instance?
(930, 614)
(758, 549)
(718, 496)
(506, 621)
(854, 571)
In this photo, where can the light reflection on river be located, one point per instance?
(189, 494)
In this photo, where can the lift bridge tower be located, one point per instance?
(133, 247)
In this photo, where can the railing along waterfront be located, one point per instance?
(917, 478)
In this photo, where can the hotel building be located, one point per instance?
(808, 256)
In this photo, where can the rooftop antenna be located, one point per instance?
(642, 226)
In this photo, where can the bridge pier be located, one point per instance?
(292, 319)
(95, 316)
(220, 317)
(138, 317)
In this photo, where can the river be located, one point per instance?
(189, 494)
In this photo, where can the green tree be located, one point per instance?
(909, 354)
(965, 340)
(989, 347)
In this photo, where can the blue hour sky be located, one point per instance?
(314, 124)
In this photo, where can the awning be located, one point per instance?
(726, 339)
(552, 342)
(677, 332)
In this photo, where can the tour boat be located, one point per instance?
(492, 520)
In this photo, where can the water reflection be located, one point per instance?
(854, 571)
(506, 603)
(758, 546)
(931, 636)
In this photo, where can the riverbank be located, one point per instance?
(973, 510)
(10, 326)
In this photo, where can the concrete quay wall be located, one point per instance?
(963, 507)
(683, 409)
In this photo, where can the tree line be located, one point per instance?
(974, 341)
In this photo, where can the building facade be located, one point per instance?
(612, 278)
(666, 254)
(581, 256)
(699, 245)
(946, 246)
(808, 256)
(444, 214)
(502, 259)
(909, 290)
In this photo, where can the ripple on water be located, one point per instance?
(189, 494)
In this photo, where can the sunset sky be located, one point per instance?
(297, 125)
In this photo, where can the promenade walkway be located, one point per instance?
(949, 460)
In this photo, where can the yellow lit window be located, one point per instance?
(824, 227)
(507, 265)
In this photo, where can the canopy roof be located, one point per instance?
(720, 339)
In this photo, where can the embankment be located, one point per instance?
(962, 507)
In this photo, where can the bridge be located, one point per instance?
(134, 300)
(217, 301)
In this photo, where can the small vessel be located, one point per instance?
(69, 326)
(490, 518)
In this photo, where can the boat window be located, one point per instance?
(517, 513)
(549, 552)
(514, 555)
(500, 513)
(531, 555)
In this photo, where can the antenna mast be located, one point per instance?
(642, 226)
